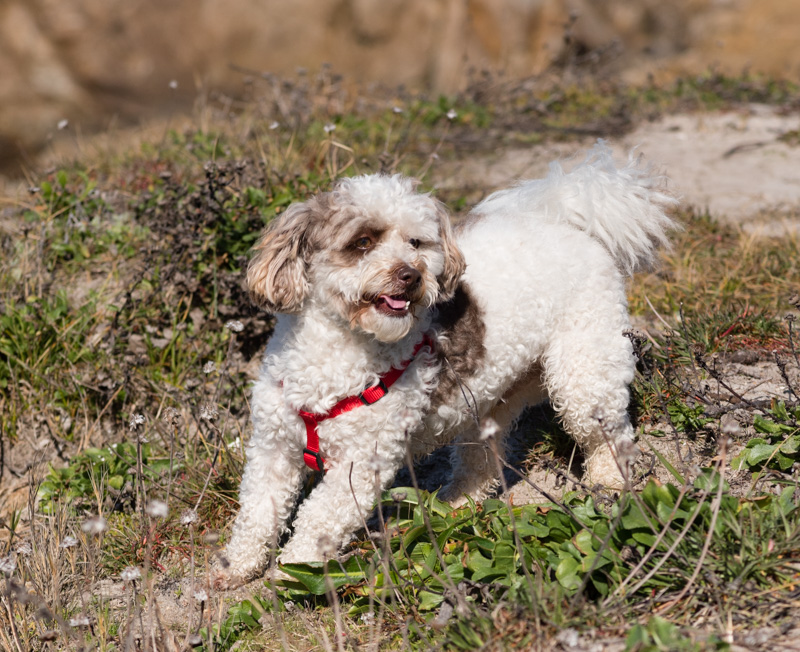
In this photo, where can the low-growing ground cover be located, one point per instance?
(127, 344)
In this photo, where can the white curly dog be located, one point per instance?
(448, 328)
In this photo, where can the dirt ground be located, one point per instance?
(735, 164)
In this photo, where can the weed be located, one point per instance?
(779, 448)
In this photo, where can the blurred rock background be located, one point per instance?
(97, 63)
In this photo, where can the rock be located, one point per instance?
(92, 62)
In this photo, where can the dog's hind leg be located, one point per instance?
(475, 470)
(588, 369)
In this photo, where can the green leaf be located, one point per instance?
(314, 578)
(505, 556)
(584, 541)
(645, 537)
(791, 445)
(634, 518)
(428, 600)
(567, 574)
(779, 411)
(637, 638)
(709, 480)
(769, 427)
(784, 462)
(477, 562)
(760, 453)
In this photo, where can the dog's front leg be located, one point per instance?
(271, 482)
(339, 505)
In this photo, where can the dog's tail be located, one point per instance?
(622, 207)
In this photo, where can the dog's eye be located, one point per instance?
(364, 242)
(414, 243)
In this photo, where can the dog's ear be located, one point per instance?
(276, 275)
(454, 263)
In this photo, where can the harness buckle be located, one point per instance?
(370, 396)
(315, 455)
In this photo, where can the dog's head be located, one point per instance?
(372, 250)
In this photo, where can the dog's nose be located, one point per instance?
(408, 276)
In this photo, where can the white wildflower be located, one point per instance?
(368, 617)
(94, 525)
(68, 542)
(407, 419)
(62, 124)
(8, 564)
(234, 325)
(201, 595)
(329, 127)
(188, 517)
(131, 574)
(172, 416)
(157, 509)
(208, 412)
(489, 428)
(274, 125)
(236, 444)
(451, 114)
(24, 548)
(326, 546)
(79, 621)
(136, 421)
(375, 463)
(731, 428)
(209, 367)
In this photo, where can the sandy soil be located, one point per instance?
(734, 164)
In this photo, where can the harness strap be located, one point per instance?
(311, 454)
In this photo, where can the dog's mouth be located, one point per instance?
(396, 305)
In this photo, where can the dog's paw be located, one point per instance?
(456, 494)
(612, 468)
(276, 575)
(225, 580)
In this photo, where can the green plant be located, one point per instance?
(779, 448)
(686, 418)
(45, 342)
(500, 556)
(91, 473)
(660, 635)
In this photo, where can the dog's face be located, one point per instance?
(372, 251)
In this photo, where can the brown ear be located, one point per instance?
(276, 276)
(454, 263)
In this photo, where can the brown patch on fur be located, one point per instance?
(276, 275)
(461, 350)
(454, 263)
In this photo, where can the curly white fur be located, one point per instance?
(537, 313)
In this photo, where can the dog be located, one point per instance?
(399, 333)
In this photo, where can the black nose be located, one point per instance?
(408, 276)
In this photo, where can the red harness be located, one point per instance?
(370, 395)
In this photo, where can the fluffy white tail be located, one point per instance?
(623, 207)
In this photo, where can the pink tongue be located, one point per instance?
(394, 304)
